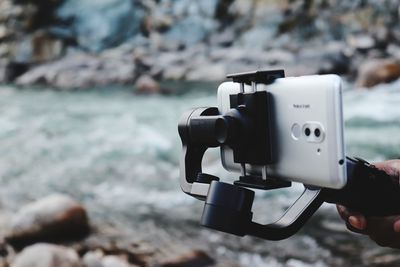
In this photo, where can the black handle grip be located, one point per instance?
(368, 190)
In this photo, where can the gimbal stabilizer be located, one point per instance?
(245, 129)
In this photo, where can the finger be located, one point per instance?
(382, 231)
(358, 221)
(355, 219)
(396, 226)
(343, 212)
(391, 167)
(355, 230)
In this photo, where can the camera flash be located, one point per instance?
(296, 131)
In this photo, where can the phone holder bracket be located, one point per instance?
(245, 128)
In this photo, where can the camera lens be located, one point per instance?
(317, 132)
(307, 131)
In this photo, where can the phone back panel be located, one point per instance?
(298, 103)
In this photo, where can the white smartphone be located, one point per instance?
(307, 130)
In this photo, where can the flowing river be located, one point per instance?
(118, 153)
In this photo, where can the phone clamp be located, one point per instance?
(256, 146)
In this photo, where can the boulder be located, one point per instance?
(361, 42)
(378, 71)
(81, 71)
(93, 259)
(101, 24)
(38, 47)
(207, 71)
(45, 47)
(334, 63)
(191, 30)
(98, 259)
(196, 258)
(224, 38)
(175, 72)
(3, 70)
(47, 255)
(13, 70)
(394, 51)
(257, 38)
(145, 84)
(52, 219)
(3, 32)
(114, 261)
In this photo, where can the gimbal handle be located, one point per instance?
(368, 190)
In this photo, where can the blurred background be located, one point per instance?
(90, 96)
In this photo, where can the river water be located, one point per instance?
(118, 153)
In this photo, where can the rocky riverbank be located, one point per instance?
(81, 44)
(55, 231)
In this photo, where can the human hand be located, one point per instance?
(385, 231)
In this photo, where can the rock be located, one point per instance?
(181, 8)
(232, 54)
(225, 38)
(14, 70)
(222, 12)
(3, 70)
(275, 56)
(175, 72)
(195, 258)
(81, 71)
(46, 255)
(361, 42)
(42, 14)
(3, 32)
(93, 259)
(145, 84)
(383, 37)
(38, 48)
(337, 63)
(98, 259)
(163, 43)
(45, 47)
(257, 38)
(207, 72)
(4, 50)
(51, 219)
(101, 24)
(114, 261)
(108, 240)
(393, 51)
(190, 30)
(378, 71)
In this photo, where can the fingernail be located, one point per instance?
(356, 223)
(396, 226)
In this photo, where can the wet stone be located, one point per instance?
(47, 255)
(52, 219)
(195, 258)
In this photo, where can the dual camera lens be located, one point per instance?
(317, 132)
(311, 130)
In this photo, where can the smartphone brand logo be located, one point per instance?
(302, 106)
